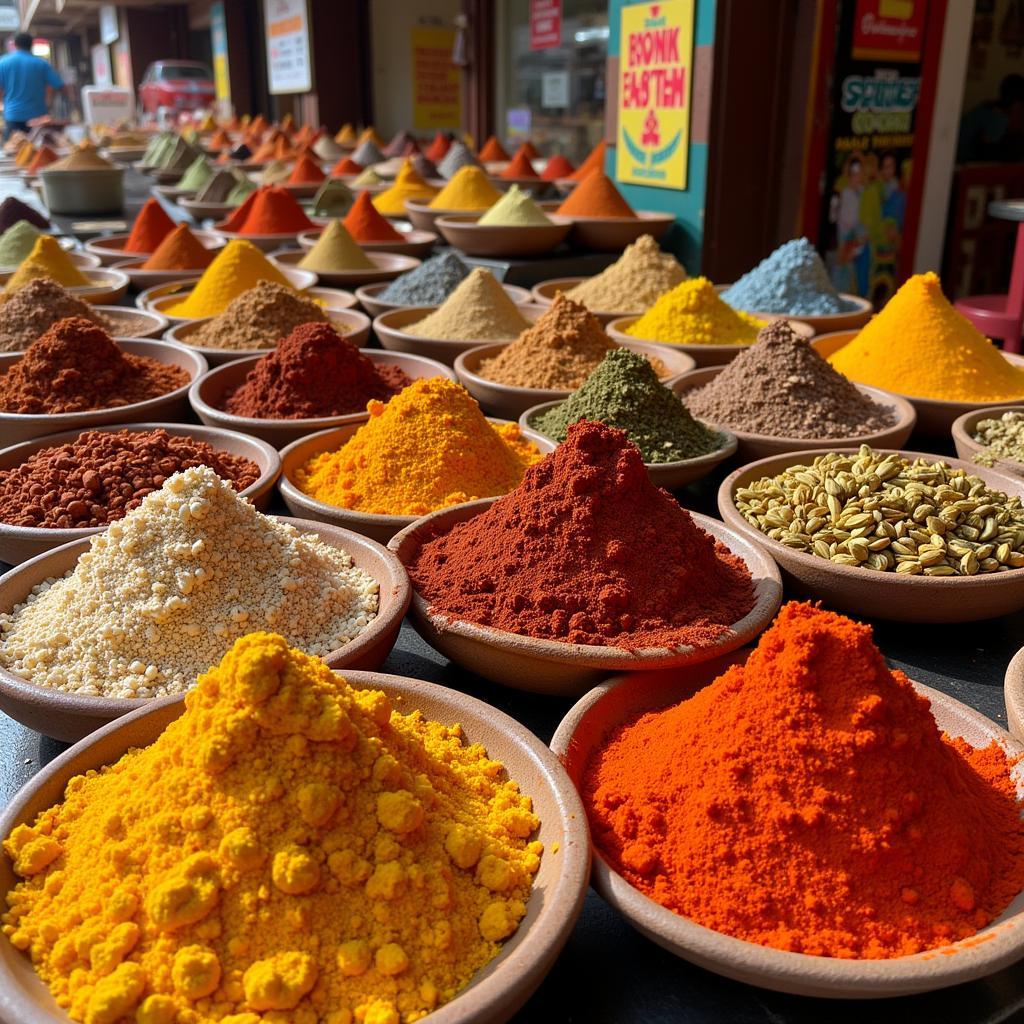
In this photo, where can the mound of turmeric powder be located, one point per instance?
(288, 850)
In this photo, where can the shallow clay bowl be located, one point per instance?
(172, 193)
(201, 210)
(544, 294)
(536, 186)
(169, 408)
(163, 176)
(380, 527)
(18, 543)
(511, 402)
(82, 260)
(368, 298)
(332, 300)
(424, 217)
(761, 446)
(881, 595)
(703, 355)
(853, 318)
(356, 326)
(207, 397)
(963, 435)
(416, 243)
(110, 248)
(268, 243)
(387, 266)
(305, 190)
(591, 721)
(613, 234)
(142, 279)
(670, 475)
(128, 322)
(495, 992)
(547, 666)
(935, 417)
(476, 239)
(106, 286)
(390, 331)
(69, 717)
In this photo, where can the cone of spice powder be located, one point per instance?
(587, 551)
(596, 196)
(457, 157)
(438, 147)
(429, 284)
(180, 250)
(468, 190)
(478, 308)
(520, 166)
(516, 208)
(492, 151)
(25, 155)
(17, 242)
(557, 167)
(336, 250)
(693, 314)
(408, 185)
(12, 210)
(365, 224)
(306, 172)
(270, 210)
(333, 199)
(275, 173)
(217, 188)
(30, 311)
(151, 227)
(634, 282)
(43, 158)
(593, 162)
(344, 167)
(47, 259)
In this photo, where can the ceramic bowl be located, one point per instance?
(613, 234)
(368, 298)
(356, 327)
(305, 190)
(967, 447)
(852, 319)
(390, 331)
(881, 595)
(172, 193)
(133, 323)
(387, 266)
(106, 286)
(535, 185)
(110, 248)
(379, 527)
(760, 446)
(19, 543)
(82, 260)
(268, 243)
(142, 279)
(415, 243)
(424, 217)
(617, 700)
(495, 992)
(201, 210)
(476, 239)
(935, 417)
(544, 294)
(207, 397)
(703, 355)
(510, 402)
(69, 717)
(670, 475)
(17, 427)
(552, 667)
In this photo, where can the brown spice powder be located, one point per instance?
(26, 313)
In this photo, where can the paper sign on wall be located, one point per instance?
(655, 69)
(545, 24)
(436, 82)
(289, 66)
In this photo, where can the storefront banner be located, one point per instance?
(219, 46)
(889, 30)
(655, 70)
(289, 65)
(545, 24)
(436, 82)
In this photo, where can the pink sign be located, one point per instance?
(545, 24)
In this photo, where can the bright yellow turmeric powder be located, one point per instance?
(47, 259)
(288, 850)
(427, 448)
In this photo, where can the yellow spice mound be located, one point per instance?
(919, 345)
(47, 259)
(693, 314)
(288, 846)
(427, 448)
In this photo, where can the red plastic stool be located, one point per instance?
(1002, 316)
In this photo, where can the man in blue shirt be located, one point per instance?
(27, 85)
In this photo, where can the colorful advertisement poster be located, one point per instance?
(289, 66)
(655, 69)
(219, 45)
(868, 167)
(545, 24)
(436, 82)
(888, 30)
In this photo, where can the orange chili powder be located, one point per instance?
(492, 151)
(557, 167)
(596, 196)
(436, 150)
(593, 162)
(306, 171)
(220, 140)
(151, 227)
(180, 250)
(807, 801)
(520, 166)
(272, 212)
(346, 165)
(365, 224)
(43, 158)
(238, 216)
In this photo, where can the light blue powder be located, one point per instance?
(792, 280)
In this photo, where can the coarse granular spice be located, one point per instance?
(806, 800)
(587, 551)
(428, 448)
(478, 308)
(294, 851)
(180, 250)
(259, 318)
(12, 210)
(336, 250)
(781, 387)
(468, 189)
(516, 208)
(558, 352)
(634, 282)
(102, 475)
(365, 224)
(693, 314)
(47, 259)
(429, 284)
(920, 345)
(75, 366)
(164, 592)
(151, 227)
(596, 196)
(28, 312)
(313, 373)
(624, 392)
(1003, 438)
(882, 512)
(333, 199)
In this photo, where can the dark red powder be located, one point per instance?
(587, 550)
(313, 372)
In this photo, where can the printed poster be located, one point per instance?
(436, 81)
(655, 71)
(289, 65)
(219, 44)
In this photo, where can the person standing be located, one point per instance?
(27, 85)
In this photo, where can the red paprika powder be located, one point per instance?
(557, 167)
(306, 171)
(595, 196)
(151, 227)
(440, 145)
(520, 166)
(345, 166)
(365, 224)
(269, 210)
(492, 151)
(588, 551)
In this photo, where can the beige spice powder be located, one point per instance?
(478, 308)
(634, 282)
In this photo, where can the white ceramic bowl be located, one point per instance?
(387, 266)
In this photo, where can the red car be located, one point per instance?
(176, 85)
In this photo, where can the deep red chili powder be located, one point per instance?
(587, 550)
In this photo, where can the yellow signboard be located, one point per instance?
(436, 81)
(655, 70)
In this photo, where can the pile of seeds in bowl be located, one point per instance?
(886, 513)
(1003, 438)
(28, 312)
(102, 475)
(162, 594)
